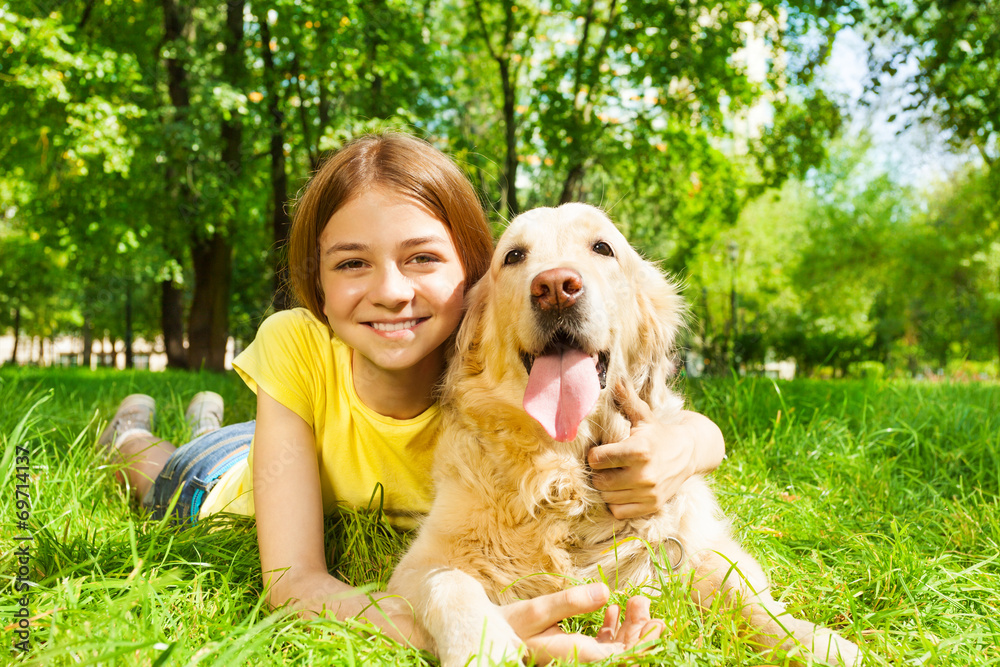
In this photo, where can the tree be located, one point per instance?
(815, 268)
(515, 25)
(281, 221)
(182, 130)
(211, 245)
(70, 154)
(31, 302)
(633, 106)
(327, 72)
(956, 46)
(956, 310)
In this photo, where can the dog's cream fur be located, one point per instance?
(514, 515)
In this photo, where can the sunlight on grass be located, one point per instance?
(873, 506)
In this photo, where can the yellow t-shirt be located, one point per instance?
(299, 363)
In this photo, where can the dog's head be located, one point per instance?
(567, 310)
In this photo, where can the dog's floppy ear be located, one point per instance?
(475, 306)
(663, 308)
(662, 312)
(468, 356)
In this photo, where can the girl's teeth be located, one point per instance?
(379, 326)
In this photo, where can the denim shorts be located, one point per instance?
(195, 468)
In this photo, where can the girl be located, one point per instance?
(386, 240)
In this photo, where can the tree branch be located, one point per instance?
(582, 48)
(482, 25)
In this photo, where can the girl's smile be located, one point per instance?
(389, 328)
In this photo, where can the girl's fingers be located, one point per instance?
(636, 619)
(609, 629)
(531, 617)
(627, 399)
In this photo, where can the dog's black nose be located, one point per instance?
(556, 289)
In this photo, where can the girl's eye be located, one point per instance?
(602, 248)
(350, 265)
(424, 259)
(515, 256)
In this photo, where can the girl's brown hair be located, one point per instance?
(403, 165)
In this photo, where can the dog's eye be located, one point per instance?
(515, 256)
(602, 248)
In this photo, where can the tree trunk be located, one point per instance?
(508, 82)
(175, 27)
(129, 359)
(996, 323)
(574, 177)
(571, 186)
(176, 24)
(585, 79)
(87, 9)
(510, 129)
(172, 324)
(17, 334)
(375, 15)
(208, 322)
(88, 341)
(280, 221)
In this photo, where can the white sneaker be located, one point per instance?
(204, 413)
(134, 416)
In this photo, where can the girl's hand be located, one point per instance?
(391, 614)
(642, 472)
(536, 622)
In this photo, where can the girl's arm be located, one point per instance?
(641, 473)
(289, 508)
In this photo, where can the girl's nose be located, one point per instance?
(392, 288)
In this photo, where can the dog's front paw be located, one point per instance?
(830, 648)
(494, 644)
(499, 649)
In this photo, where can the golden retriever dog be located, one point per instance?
(567, 311)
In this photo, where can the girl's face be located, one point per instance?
(392, 280)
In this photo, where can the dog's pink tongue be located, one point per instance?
(562, 390)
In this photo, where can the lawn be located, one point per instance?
(873, 506)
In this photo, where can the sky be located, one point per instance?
(917, 156)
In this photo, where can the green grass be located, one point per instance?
(873, 506)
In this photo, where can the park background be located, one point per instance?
(820, 175)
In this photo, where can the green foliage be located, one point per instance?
(122, 121)
(131, 142)
(30, 275)
(797, 140)
(848, 266)
(957, 47)
(627, 105)
(958, 309)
